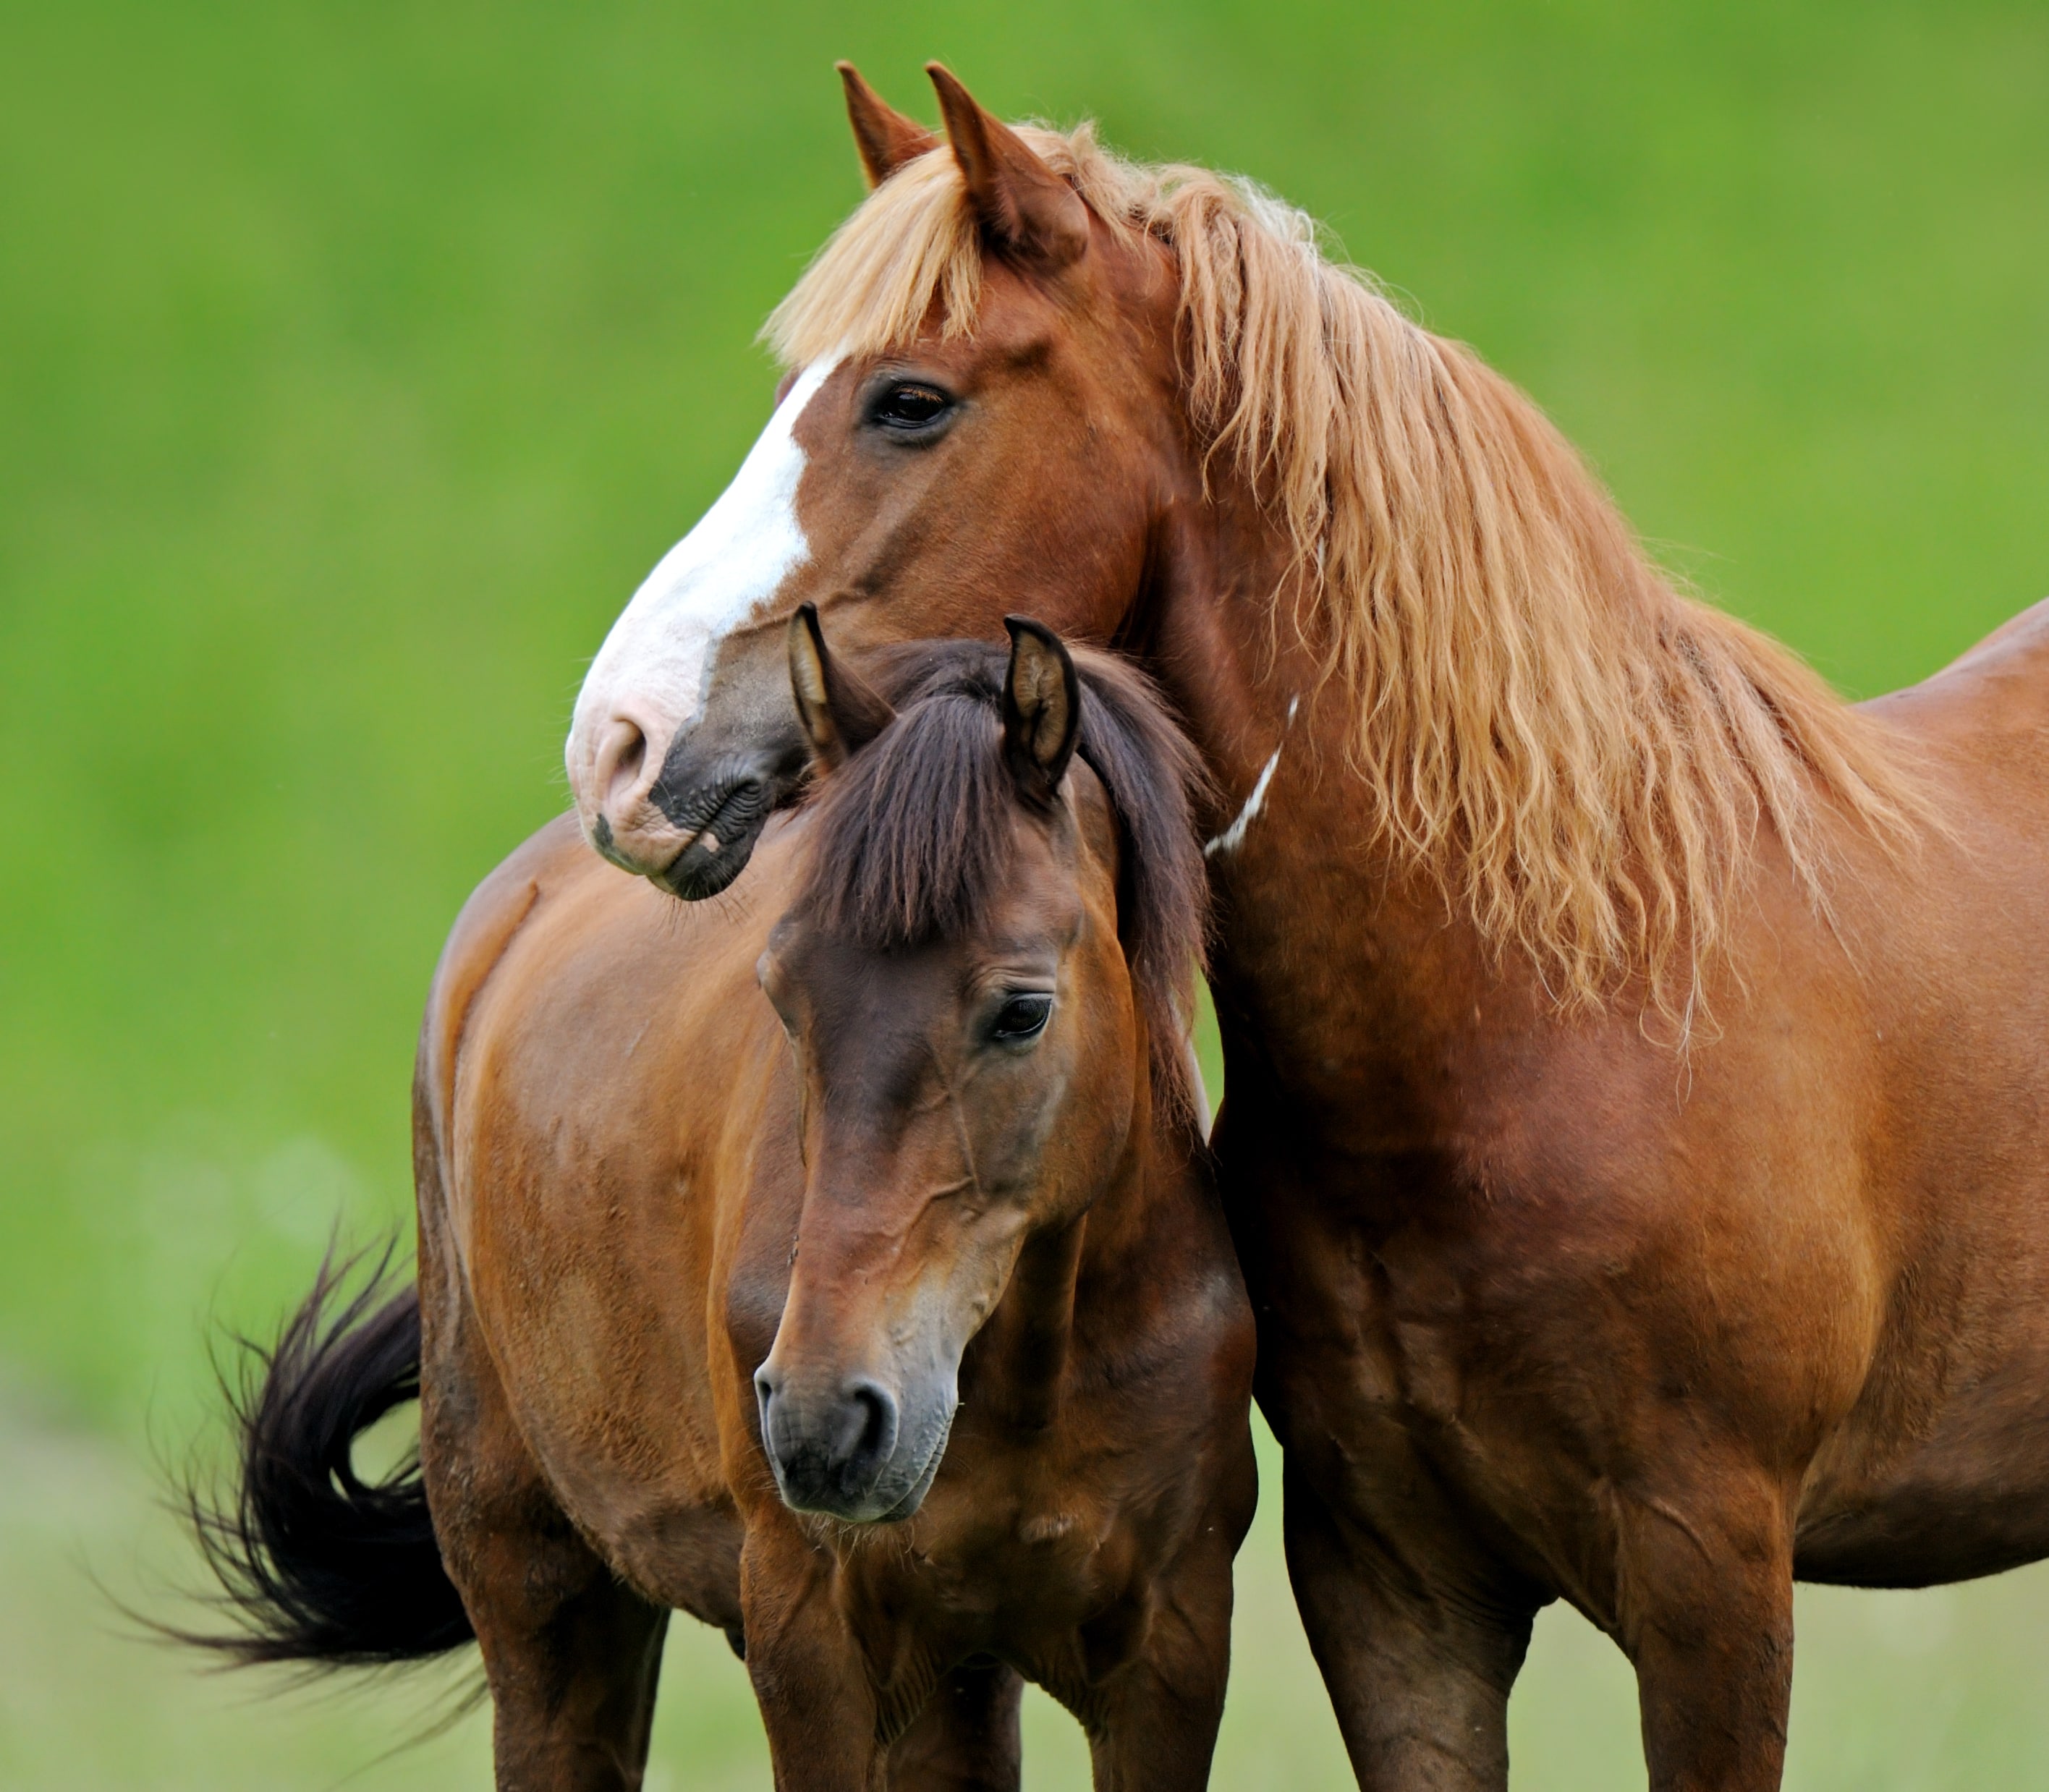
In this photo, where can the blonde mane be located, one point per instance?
(1581, 755)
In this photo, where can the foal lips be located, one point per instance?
(907, 1506)
(808, 1480)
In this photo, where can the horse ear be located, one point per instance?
(1042, 709)
(1024, 207)
(885, 136)
(840, 714)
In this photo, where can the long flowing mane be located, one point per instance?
(1582, 757)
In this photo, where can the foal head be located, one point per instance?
(982, 976)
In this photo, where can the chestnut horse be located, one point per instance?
(1634, 1140)
(902, 1336)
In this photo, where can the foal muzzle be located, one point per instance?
(849, 1450)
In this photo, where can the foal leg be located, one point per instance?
(570, 1653)
(1419, 1681)
(1152, 1722)
(810, 1680)
(966, 1738)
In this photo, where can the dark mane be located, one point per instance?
(911, 835)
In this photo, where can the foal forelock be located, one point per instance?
(1578, 754)
(912, 837)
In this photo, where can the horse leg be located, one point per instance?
(965, 1739)
(1705, 1613)
(810, 1679)
(1420, 1682)
(571, 1654)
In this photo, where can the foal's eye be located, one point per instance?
(1021, 1017)
(911, 407)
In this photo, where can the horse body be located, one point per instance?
(617, 1194)
(593, 1074)
(1932, 1476)
(1633, 1138)
(1549, 1308)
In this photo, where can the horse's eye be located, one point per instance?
(1021, 1017)
(911, 407)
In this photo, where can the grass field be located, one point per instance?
(355, 361)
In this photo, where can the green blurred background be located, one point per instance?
(356, 361)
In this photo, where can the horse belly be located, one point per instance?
(1970, 1498)
(1941, 1471)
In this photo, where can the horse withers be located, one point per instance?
(890, 1323)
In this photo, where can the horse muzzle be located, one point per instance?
(691, 826)
(720, 823)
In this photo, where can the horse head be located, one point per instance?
(1010, 438)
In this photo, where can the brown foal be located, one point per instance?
(1635, 1139)
(895, 1328)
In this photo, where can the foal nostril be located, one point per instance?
(867, 1432)
(829, 1453)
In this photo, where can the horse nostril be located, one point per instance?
(620, 757)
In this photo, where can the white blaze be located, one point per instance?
(655, 667)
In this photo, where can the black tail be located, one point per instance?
(315, 1564)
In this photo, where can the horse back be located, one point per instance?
(1989, 707)
(483, 930)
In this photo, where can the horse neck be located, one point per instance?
(1654, 728)
(1248, 687)
(1314, 899)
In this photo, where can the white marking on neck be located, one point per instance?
(1234, 837)
(656, 665)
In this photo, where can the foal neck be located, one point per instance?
(1022, 1356)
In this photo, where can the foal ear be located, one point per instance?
(1025, 209)
(840, 714)
(885, 136)
(1042, 709)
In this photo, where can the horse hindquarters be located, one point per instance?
(570, 1652)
